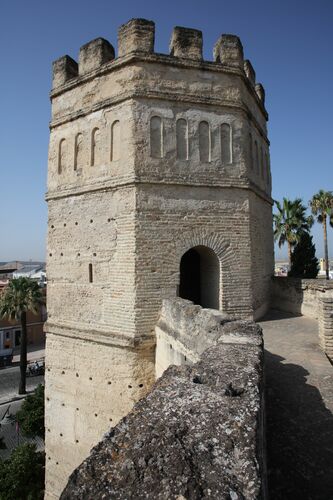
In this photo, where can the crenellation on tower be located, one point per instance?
(249, 71)
(136, 40)
(137, 35)
(64, 69)
(260, 92)
(94, 54)
(228, 50)
(186, 43)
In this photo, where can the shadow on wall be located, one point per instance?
(299, 434)
(277, 314)
(288, 295)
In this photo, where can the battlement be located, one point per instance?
(136, 38)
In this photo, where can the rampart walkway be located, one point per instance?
(299, 402)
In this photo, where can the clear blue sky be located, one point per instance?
(289, 42)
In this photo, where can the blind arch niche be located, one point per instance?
(115, 140)
(61, 155)
(182, 139)
(95, 147)
(204, 142)
(226, 144)
(156, 137)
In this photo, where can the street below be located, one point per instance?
(10, 432)
(9, 383)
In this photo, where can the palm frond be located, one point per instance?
(21, 295)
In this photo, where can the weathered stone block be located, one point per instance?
(260, 92)
(137, 35)
(249, 71)
(64, 69)
(228, 50)
(95, 53)
(186, 42)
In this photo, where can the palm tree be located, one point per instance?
(322, 207)
(20, 296)
(290, 222)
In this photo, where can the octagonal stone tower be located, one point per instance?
(158, 185)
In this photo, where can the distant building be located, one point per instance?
(322, 263)
(322, 271)
(7, 270)
(10, 331)
(17, 269)
(36, 272)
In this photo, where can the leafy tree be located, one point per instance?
(20, 296)
(30, 417)
(22, 475)
(304, 263)
(290, 221)
(322, 208)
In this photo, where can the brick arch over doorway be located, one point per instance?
(219, 245)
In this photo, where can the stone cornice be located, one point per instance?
(160, 59)
(97, 336)
(103, 186)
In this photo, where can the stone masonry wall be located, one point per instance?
(312, 298)
(261, 224)
(200, 431)
(90, 385)
(326, 325)
(299, 296)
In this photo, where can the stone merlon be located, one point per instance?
(186, 42)
(137, 35)
(93, 54)
(260, 92)
(228, 50)
(64, 69)
(249, 71)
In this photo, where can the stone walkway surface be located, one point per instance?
(299, 409)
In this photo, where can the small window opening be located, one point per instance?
(90, 273)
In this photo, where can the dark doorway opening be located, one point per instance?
(200, 277)
(189, 287)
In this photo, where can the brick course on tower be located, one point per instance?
(150, 155)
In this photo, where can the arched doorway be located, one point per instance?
(200, 277)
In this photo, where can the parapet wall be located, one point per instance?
(200, 432)
(299, 296)
(310, 297)
(184, 331)
(137, 37)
